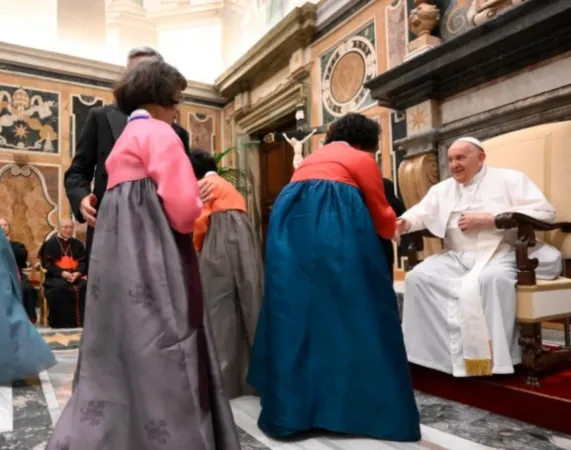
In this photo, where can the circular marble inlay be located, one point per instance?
(347, 77)
(346, 70)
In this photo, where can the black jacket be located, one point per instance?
(398, 207)
(102, 128)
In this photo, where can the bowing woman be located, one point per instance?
(329, 351)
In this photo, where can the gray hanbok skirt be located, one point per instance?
(149, 376)
(232, 278)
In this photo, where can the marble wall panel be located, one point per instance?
(397, 32)
(30, 199)
(204, 126)
(202, 131)
(80, 106)
(229, 135)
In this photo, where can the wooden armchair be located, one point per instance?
(542, 154)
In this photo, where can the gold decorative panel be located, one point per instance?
(29, 119)
(30, 197)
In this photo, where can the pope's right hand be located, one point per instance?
(403, 225)
(87, 208)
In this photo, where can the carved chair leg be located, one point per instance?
(530, 341)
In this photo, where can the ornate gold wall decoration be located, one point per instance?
(424, 17)
(30, 197)
(417, 175)
(344, 71)
(422, 21)
(29, 119)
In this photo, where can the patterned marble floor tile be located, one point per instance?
(486, 428)
(32, 421)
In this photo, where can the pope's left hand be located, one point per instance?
(476, 222)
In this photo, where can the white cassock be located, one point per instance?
(441, 332)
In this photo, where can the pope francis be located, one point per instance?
(459, 312)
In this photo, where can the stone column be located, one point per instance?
(128, 26)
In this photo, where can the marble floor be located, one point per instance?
(29, 409)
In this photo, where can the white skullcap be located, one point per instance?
(473, 141)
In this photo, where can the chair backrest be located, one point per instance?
(543, 153)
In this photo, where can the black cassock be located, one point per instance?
(66, 301)
(29, 294)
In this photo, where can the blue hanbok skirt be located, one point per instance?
(329, 351)
(23, 352)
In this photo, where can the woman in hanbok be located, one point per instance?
(230, 260)
(149, 376)
(23, 352)
(329, 352)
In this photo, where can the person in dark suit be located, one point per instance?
(102, 128)
(398, 207)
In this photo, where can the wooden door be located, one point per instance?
(276, 169)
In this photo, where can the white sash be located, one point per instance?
(476, 340)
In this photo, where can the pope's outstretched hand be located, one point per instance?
(403, 225)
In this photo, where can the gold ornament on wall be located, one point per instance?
(424, 17)
(422, 21)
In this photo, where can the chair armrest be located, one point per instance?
(509, 220)
(526, 227)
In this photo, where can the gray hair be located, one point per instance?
(143, 51)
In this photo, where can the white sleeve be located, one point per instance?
(427, 207)
(528, 199)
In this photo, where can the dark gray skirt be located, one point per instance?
(232, 279)
(149, 376)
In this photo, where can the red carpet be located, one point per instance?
(547, 406)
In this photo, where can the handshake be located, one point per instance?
(403, 225)
(468, 223)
